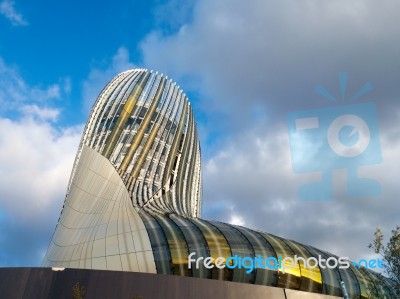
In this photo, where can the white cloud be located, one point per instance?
(250, 181)
(35, 164)
(237, 220)
(44, 114)
(268, 56)
(275, 52)
(15, 91)
(172, 14)
(36, 157)
(8, 10)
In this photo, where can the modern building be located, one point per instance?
(134, 201)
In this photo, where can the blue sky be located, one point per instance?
(64, 41)
(244, 65)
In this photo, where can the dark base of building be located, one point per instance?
(82, 283)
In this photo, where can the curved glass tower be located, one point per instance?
(134, 200)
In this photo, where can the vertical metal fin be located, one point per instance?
(125, 114)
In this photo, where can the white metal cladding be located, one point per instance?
(98, 227)
(143, 123)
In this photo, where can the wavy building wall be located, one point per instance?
(134, 200)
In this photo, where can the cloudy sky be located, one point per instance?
(244, 65)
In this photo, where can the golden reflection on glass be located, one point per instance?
(218, 247)
(291, 278)
(311, 277)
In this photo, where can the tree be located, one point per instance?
(78, 291)
(390, 254)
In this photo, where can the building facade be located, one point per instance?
(134, 201)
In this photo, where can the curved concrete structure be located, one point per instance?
(99, 228)
(134, 201)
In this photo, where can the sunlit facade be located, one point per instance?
(134, 200)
